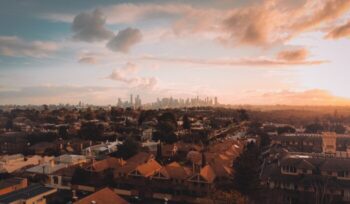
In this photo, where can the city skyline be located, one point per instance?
(258, 52)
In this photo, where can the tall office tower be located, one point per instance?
(131, 100)
(120, 103)
(216, 101)
(137, 101)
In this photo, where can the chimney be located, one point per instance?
(52, 163)
(74, 195)
(204, 161)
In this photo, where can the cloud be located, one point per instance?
(88, 60)
(298, 55)
(331, 10)
(127, 75)
(339, 32)
(251, 26)
(13, 46)
(124, 40)
(253, 22)
(90, 27)
(54, 94)
(257, 62)
(307, 97)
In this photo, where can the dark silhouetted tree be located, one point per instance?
(314, 128)
(129, 148)
(91, 131)
(63, 132)
(246, 171)
(166, 128)
(9, 124)
(186, 123)
(242, 115)
(286, 129)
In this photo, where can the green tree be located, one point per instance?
(9, 124)
(129, 148)
(166, 128)
(286, 129)
(186, 123)
(314, 128)
(63, 132)
(242, 115)
(246, 171)
(89, 114)
(91, 131)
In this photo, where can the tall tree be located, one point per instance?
(242, 115)
(246, 171)
(63, 132)
(166, 127)
(129, 148)
(186, 123)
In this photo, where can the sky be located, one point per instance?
(292, 52)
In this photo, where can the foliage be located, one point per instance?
(242, 115)
(91, 131)
(166, 128)
(186, 123)
(246, 171)
(63, 132)
(35, 137)
(129, 148)
(286, 129)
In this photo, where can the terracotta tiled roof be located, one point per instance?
(176, 171)
(108, 163)
(104, 196)
(149, 168)
(208, 173)
(194, 157)
(126, 169)
(220, 169)
(140, 158)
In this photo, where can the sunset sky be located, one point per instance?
(293, 52)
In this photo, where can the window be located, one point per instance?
(290, 169)
(343, 173)
(55, 180)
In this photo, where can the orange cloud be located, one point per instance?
(289, 59)
(339, 32)
(331, 10)
(293, 55)
(287, 97)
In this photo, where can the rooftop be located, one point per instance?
(103, 196)
(10, 182)
(26, 193)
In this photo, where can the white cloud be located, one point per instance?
(127, 75)
(14, 46)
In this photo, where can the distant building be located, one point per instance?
(12, 184)
(308, 178)
(13, 143)
(329, 141)
(34, 193)
(101, 149)
(105, 196)
(11, 163)
(147, 134)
